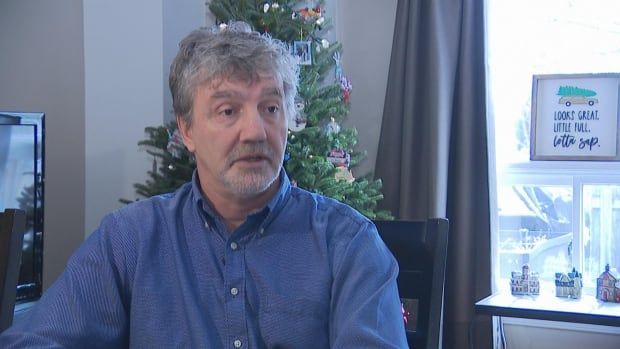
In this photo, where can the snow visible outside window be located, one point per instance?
(553, 215)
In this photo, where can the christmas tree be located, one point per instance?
(320, 152)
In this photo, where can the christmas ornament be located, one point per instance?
(339, 158)
(343, 173)
(299, 120)
(338, 69)
(323, 44)
(346, 87)
(331, 127)
(175, 144)
(302, 50)
(345, 84)
(310, 13)
(266, 7)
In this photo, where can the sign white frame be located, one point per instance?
(575, 117)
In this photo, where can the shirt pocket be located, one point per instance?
(288, 322)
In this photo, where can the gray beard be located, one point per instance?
(251, 183)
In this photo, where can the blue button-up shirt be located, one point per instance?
(304, 272)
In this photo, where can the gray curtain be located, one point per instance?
(433, 156)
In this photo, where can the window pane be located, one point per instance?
(557, 37)
(535, 229)
(536, 226)
(600, 224)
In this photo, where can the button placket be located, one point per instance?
(235, 300)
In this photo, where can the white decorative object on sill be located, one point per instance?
(524, 282)
(607, 289)
(568, 285)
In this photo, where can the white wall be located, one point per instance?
(42, 70)
(193, 13)
(128, 47)
(536, 334)
(123, 59)
(365, 29)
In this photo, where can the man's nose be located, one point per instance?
(253, 127)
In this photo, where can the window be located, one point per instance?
(552, 215)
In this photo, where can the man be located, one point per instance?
(237, 258)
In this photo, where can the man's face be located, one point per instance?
(238, 135)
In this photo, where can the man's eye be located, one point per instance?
(227, 112)
(273, 108)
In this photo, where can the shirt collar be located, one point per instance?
(273, 206)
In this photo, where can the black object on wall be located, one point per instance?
(22, 180)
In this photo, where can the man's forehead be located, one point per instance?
(271, 84)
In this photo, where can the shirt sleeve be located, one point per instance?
(84, 308)
(365, 306)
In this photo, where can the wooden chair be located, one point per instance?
(420, 247)
(12, 227)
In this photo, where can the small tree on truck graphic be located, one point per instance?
(576, 95)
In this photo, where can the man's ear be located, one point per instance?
(186, 133)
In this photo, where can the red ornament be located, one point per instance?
(346, 94)
(346, 87)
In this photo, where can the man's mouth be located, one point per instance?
(252, 158)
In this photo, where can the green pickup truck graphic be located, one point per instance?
(575, 95)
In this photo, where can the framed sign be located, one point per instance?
(575, 117)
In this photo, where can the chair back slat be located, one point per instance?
(420, 247)
(12, 227)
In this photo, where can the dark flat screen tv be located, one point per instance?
(22, 179)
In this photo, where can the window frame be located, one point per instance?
(575, 174)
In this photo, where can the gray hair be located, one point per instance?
(232, 51)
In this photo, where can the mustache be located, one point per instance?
(240, 151)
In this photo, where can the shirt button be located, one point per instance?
(261, 231)
(234, 291)
(234, 246)
(237, 343)
(206, 225)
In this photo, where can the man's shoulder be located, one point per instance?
(327, 209)
(164, 201)
(147, 214)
